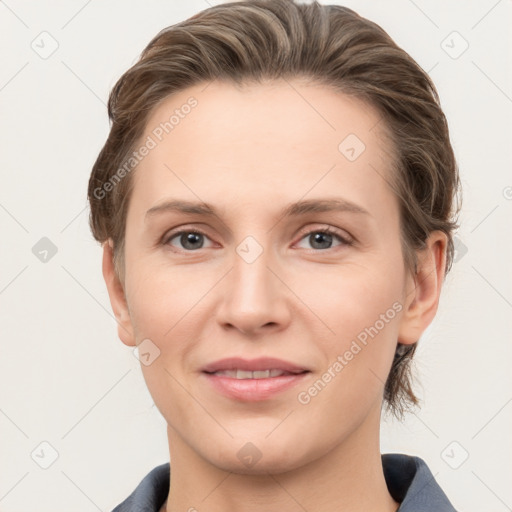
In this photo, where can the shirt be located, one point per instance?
(409, 480)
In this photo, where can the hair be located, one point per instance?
(255, 41)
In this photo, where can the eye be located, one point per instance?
(189, 240)
(322, 239)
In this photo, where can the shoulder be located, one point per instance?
(150, 494)
(412, 484)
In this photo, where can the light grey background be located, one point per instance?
(65, 377)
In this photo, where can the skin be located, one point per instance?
(250, 152)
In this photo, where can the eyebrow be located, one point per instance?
(292, 210)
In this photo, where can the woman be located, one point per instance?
(275, 205)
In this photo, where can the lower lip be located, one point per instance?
(253, 390)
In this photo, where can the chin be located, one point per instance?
(260, 457)
(263, 467)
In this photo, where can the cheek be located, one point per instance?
(162, 306)
(361, 306)
(167, 307)
(161, 298)
(349, 298)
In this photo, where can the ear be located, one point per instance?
(423, 289)
(117, 296)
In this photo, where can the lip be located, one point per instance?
(253, 390)
(253, 365)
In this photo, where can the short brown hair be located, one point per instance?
(259, 40)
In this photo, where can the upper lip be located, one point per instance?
(260, 364)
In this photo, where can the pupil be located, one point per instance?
(325, 237)
(189, 239)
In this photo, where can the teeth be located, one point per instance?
(262, 374)
(244, 374)
(276, 373)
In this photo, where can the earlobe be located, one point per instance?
(117, 296)
(424, 289)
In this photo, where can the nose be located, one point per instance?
(255, 298)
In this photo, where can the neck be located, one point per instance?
(349, 478)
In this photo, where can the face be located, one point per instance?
(297, 257)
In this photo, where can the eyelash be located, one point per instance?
(324, 230)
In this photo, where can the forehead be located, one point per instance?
(308, 110)
(283, 138)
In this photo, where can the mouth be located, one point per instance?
(253, 380)
(257, 374)
(253, 366)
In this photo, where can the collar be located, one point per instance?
(411, 483)
(409, 480)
